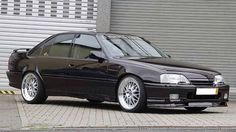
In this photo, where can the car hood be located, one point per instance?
(192, 71)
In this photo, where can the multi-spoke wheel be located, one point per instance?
(32, 90)
(131, 94)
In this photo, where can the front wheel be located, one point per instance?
(32, 89)
(195, 109)
(131, 94)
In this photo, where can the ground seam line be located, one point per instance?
(23, 117)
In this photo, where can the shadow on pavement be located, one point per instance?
(176, 111)
(116, 107)
(86, 104)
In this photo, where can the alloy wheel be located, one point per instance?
(29, 87)
(129, 93)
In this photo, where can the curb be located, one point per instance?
(142, 129)
(9, 92)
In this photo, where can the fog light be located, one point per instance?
(225, 96)
(174, 96)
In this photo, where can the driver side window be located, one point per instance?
(84, 45)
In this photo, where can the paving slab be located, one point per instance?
(219, 129)
(9, 115)
(66, 112)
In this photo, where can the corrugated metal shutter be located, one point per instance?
(198, 31)
(24, 23)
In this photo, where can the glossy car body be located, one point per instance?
(98, 77)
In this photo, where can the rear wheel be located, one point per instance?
(32, 89)
(195, 109)
(131, 94)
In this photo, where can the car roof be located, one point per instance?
(95, 33)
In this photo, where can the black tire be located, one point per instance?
(141, 103)
(41, 96)
(94, 101)
(195, 109)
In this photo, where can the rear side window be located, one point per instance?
(37, 49)
(84, 45)
(36, 52)
(59, 46)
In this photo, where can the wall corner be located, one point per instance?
(103, 16)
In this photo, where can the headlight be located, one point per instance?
(174, 79)
(218, 79)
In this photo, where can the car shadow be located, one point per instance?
(116, 107)
(176, 111)
(84, 104)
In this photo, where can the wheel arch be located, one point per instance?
(36, 71)
(41, 95)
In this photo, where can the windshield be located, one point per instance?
(130, 46)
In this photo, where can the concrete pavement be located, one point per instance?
(69, 112)
(72, 114)
(218, 129)
(9, 116)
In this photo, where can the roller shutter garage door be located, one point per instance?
(25, 23)
(197, 31)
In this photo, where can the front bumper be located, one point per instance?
(159, 95)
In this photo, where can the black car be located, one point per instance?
(113, 67)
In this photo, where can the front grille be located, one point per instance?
(194, 96)
(202, 83)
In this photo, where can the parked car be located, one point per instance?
(113, 67)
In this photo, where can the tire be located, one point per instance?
(131, 94)
(32, 89)
(94, 101)
(195, 109)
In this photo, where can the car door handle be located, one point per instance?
(71, 65)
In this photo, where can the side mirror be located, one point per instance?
(169, 55)
(98, 55)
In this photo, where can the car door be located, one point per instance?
(52, 62)
(87, 73)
